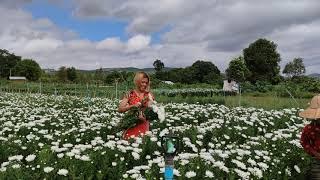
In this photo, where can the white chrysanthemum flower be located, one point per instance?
(242, 174)
(17, 157)
(16, 166)
(48, 169)
(30, 157)
(288, 172)
(176, 172)
(70, 154)
(209, 174)
(135, 155)
(3, 169)
(297, 168)
(63, 172)
(190, 174)
(154, 139)
(60, 155)
(4, 164)
(85, 158)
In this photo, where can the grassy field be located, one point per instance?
(266, 102)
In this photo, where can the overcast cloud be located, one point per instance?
(209, 30)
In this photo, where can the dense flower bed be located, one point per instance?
(56, 137)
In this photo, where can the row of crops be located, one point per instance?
(105, 91)
(67, 137)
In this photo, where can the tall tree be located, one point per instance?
(62, 74)
(28, 68)
(71, 74)
(294, 68)
(158, 65)
(262, 59)
(238, 70)
(201, 69)
(99, 75)
(7, 62)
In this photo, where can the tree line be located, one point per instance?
(258, 62)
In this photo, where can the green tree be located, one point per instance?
(71, 74)
(28, 68)
(201, 69)
(294, 68)
(112, 77)
(262, 59)
(238, 70)
(7, 62)
(62, 74)
(158, 65)
(99, 75)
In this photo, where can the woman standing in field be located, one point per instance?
(138, 97)
(310, 137)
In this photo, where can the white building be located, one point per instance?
(230, 86)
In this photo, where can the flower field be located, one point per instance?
(65, 137)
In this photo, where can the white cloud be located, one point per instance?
(209, 30)
(113, 44)
(42, 45)
(78, 44)
(138, 43)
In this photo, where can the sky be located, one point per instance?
(89, 34)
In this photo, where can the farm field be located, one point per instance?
(187, 94)
(68, 137)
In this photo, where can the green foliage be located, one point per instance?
(238, 70)
(262, 59)
(119, 77)
(130, 118)
(150, 114)
(302, 86)
(71, 74)
(202, 71)
(259, 86)
(199, 72)
(28, 68)
(62, 74)
(158, 65)
(294, 68)
(7, 61)
(99, 75)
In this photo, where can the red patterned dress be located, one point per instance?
(310, 139)
(143, 126)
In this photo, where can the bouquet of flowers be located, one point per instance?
(130, 119)
(155, 112)
(150, 109)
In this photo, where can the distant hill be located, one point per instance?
(129, 69)
(126, 69)
(316, 75)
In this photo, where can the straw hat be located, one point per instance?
(313, 111)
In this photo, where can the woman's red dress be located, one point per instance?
(143, 126)
(310, 139)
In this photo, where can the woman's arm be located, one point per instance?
(124, 106)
